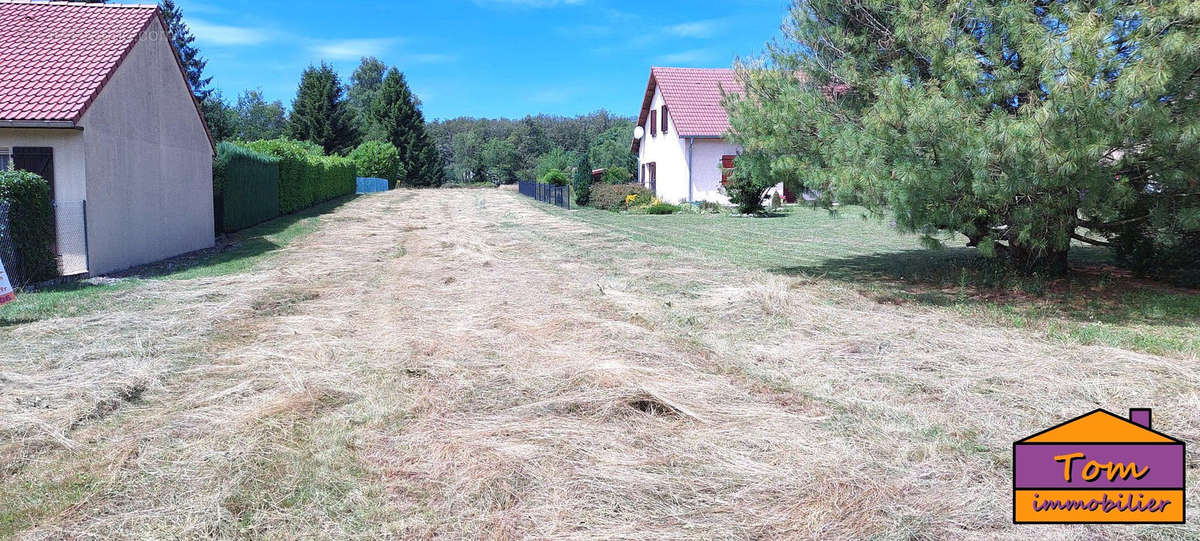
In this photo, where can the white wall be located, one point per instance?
(149, 163)
(706, 169)
(668, 152)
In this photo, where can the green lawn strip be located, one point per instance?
(238, 252)
(867, 255)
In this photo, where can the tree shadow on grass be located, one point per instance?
(1095, 290)
(235, 252)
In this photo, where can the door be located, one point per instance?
(36, 160)
(653, 169)
(39, 161)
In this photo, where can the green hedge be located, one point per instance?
(306, 177)
(379, 159)
(245, 187)
(31, 219)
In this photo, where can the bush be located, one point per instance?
(616, 175)
(306, 176)
(776, 201)
(378, 159)
(245, 187)
(555, 177)
(662, 208)
(31, 219)
(612, 196)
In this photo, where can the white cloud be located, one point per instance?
(352, 49)
(219, 34)
(694, 56)
(695, 29)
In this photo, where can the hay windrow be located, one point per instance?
(565, 383)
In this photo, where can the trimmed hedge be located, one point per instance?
(245, 187)
(612, 196)
(306, 176)
(31, 222)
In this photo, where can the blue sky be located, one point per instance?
(486, 58)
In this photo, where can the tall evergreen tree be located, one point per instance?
(182, 38)
(320, 113)
(1022, 125)
(398, 114)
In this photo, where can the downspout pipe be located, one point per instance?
(691, 151)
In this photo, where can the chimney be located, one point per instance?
(1140, 417)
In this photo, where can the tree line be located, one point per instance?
(503, 151)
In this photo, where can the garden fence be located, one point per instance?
(8, 249)
(547, 193)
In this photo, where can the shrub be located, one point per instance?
(31, 222)
(662, 208)
(616, 175)
(612, 196)
(245, 187)
(555, 177)
(776, 201)
(306, 176)
(378, 159)
(583, 181)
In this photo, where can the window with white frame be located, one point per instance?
(5, 159)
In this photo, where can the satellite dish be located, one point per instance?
(639, 132)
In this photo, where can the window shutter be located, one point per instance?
(653, 123)
(664, 118)
(726, 168)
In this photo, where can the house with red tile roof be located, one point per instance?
(680, 139)
(94, 99)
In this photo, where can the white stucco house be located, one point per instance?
(94, 99)
(681, 133)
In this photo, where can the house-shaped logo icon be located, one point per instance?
(1100, 468)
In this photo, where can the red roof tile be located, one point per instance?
(55, 58)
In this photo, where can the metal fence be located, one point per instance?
(70, 221)
(8, 249)
(547, 193)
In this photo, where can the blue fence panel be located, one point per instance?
(555, 195)
(372, 185)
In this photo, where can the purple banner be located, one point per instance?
(1159, 466)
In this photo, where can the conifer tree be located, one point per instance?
(398, 115)
(320, 113)
(583, 181)
(1022, 125)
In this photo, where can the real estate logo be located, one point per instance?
(1099, 468)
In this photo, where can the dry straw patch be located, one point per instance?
(421, 367)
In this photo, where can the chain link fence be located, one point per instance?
(8, 248)
(70, 220)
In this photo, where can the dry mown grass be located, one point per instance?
(421, 367)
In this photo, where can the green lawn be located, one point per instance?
(238, 252)
(1100, 304)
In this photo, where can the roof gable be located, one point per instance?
(55, 58)
(1099, 426)
(693, 97)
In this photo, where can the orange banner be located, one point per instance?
(1093, 506)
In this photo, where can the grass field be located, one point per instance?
(1099, 304)
(238, 252)
(469, 364)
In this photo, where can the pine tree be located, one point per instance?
(398, 115)
(182, 38)
(1022, 125)
(320, 113)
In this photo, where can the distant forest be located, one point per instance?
(506, 150)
